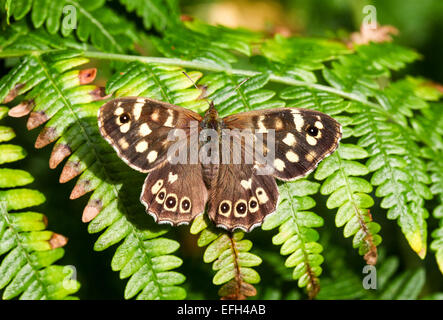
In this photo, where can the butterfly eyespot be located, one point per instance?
(161, 196)
(170, 202)
(124, 118)
(185, 204)
(225, 208)
(312, 131)
(253, 205)
(241, 208)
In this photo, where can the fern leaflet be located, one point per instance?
(27, 269)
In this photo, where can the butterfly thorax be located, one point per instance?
(211, 120)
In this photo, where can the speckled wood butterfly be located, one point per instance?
(237, 194)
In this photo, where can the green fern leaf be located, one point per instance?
(299, 57)
(389, 160)
(210, 45)
(231, 259)
(429, 129)
(400, 99)
(27, 269)
(406, 286)
(157, 13)
(388, 55)
(93, 21)
(165, 83)
(229, 97)
(354, 75)
(350, 194)
(296, 234)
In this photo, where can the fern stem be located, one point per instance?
(201, 66)
(238, 278)
(217, 68)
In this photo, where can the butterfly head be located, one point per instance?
(211, 118)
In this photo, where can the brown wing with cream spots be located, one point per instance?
(138, 129)
(240, 198)
(175, 194)
(295, 140)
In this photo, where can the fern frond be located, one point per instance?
(354, 75)
(389, 159)
(406, 286)
(350, 194)
(20, 37)
(299, 57)
(358, 93)
(157, 13)
(221, 89)
(297, 235)
(400, 99)
(94, 22)
(429, 129)
(165, 83)
(362, 73)
(63, 98)
(308, 98)
(387, 55)
(27, 269)
(211, 45)
(435, 166)
(385, 282)
(231, 259)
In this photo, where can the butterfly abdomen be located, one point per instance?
(210, 172)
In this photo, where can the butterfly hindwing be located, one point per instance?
(175, 194)
(241, 198)
(302, 137)
(138, 129)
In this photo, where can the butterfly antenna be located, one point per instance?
(241, 83)
(190, 79)
(195, 85)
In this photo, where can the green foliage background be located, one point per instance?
(378, 198)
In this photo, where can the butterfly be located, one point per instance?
(236, 194)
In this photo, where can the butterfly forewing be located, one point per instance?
(301, 137)
(138, 129)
